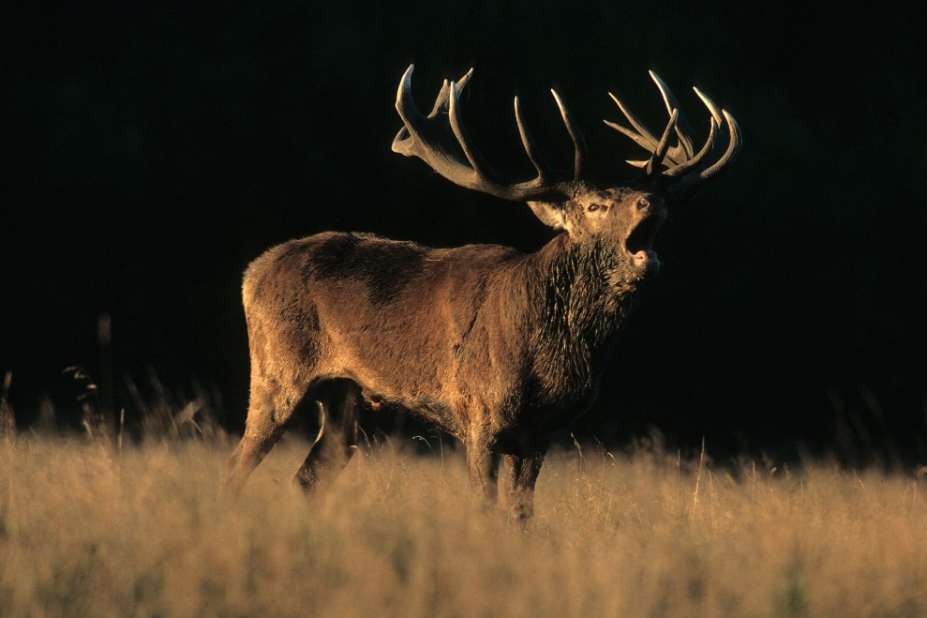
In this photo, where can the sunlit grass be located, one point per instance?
(87, 530)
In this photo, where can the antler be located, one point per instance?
(686, 169)
(430, 139)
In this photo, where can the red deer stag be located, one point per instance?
(498, 348)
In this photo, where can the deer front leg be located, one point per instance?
(483, 463)
(524, 474)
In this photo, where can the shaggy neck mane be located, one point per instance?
(584, 296)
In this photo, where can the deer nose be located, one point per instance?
(642, 203)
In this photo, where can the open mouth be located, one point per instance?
(639, 243)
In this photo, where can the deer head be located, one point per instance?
(624, 217)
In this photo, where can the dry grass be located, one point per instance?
(85, 530)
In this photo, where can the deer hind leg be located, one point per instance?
(525, 468)
(339, 414)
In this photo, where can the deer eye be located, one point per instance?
(593, 207)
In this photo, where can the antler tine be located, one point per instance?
(441, 101)
(404, 103)
(534, 155)
(579, 142)
(643, 137)
(683, 130)
(660, 151)
(477, 162)
(718, 116)
(463, 81)
(732, 148)
(714, 109)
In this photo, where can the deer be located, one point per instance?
(498, 348)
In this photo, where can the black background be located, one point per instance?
(151, 150)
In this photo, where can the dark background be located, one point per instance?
(151, 150)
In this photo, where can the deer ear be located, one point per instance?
(549, 213)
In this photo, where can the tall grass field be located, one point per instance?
(90, 529)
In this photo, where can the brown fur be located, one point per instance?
(498, 348)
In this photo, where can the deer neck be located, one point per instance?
(580, 305)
